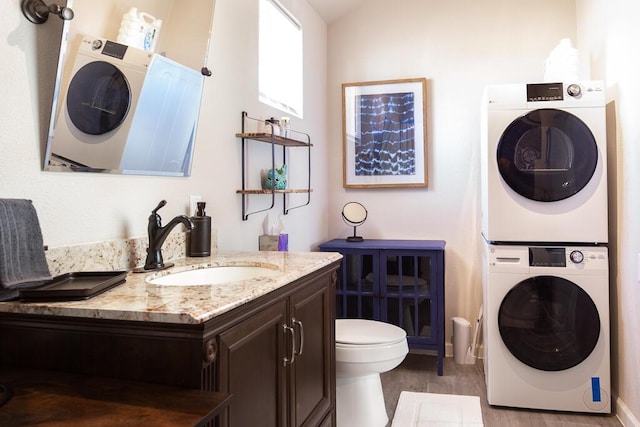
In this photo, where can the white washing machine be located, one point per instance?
(543, 163)
(99, 103)
(546, 331)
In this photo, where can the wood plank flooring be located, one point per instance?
(418, 373)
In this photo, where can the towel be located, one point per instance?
(22, 260)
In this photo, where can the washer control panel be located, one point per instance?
(539, 259)
(563, 257)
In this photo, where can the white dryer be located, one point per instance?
(546, 331)
(99, 104)
(543, 163)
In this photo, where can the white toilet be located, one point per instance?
(365, 349)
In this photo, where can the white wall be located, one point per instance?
(459, 46)
(607, 39)
(81, 208)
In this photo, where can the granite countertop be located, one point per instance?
(137, 300)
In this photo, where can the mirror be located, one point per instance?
(129, 108)
(354, 214)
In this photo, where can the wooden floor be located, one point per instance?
(418, 373)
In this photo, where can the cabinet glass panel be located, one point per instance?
(357, 287)
(405, 283)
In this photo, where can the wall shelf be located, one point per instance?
(270, 191)
(296, 139)
(278, 140)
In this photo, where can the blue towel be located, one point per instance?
(22, 260)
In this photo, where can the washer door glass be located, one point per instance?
(549, 323)
(547, 155)
(98, 98)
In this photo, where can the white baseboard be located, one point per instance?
(448, 350)
(624, 414)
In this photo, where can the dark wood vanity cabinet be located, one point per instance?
(279, 364)
(274, 355)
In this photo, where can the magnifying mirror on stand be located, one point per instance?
(354, 214)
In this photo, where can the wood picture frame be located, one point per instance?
(384, 133)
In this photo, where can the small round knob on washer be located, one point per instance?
(576, 257)
(574, 90)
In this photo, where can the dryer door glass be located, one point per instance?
(98, 99)
(547, 155)
(549, 323)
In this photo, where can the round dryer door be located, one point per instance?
(98, 98)
(549, 323)
(547, 155)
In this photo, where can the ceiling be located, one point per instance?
(331, 10)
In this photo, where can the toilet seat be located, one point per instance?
(374, 346)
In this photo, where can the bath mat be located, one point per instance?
(437, 410)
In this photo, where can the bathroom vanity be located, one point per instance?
(268, 342)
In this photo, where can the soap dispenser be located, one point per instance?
(200, 234)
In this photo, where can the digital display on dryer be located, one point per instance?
(544, 92)
(547, 257)
(114, 50)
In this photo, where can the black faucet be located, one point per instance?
(157, 236)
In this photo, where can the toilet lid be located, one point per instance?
(361, 331)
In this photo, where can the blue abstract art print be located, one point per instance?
(384, 134)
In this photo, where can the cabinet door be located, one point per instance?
(358, 285)
(407, 285)
(251, 369)
(312, 374)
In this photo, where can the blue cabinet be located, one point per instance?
(395, 281)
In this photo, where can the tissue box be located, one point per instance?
(273, 243)
(268, 243)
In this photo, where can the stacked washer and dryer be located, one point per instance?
(544, 223)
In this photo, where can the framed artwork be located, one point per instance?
(384, 133)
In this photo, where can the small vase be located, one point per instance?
(276, 178)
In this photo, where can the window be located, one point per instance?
(280, 58)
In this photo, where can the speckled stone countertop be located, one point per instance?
(138, 300)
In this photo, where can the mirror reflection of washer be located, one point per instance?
(543, 163)
(546, 331)
(105, 84)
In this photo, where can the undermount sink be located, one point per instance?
(214, 275)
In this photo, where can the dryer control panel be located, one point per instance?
(530, 96)
(545, 92)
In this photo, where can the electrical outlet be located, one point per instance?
(193, 204)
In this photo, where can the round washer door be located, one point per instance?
(549, 323)
(99, 98)
(547, 155)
